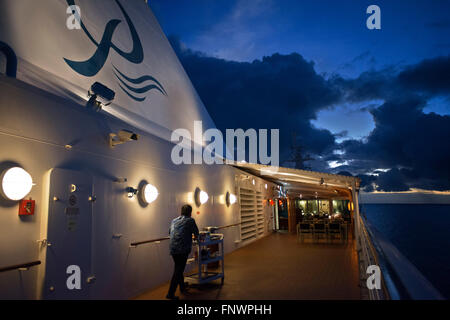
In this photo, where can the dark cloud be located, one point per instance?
(370, 85)
(412, 144)
(430, 76)
(285, 92)
(345, 173)
(392, 180)
(441, 24)
(367, 182)
(279, 91)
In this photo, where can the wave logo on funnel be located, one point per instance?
(90, 67)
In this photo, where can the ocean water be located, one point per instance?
(421, 232)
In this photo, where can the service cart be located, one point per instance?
(205, 256)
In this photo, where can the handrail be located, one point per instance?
(371, 257)
(400, 277)
(21, 266)
(138, 243)
(412, 282)
(229, 226)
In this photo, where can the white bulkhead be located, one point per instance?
(46, 129)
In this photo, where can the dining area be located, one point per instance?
(323, 230)
(323, 220)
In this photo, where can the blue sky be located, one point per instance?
(361, 74)
(331, 33)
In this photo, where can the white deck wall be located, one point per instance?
(34, 128)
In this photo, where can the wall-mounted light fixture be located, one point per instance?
(149, 193)
(350, 206)
(16, 183)
(265, 186)
(200, 197)
(230, 199)
(131, 192)
(253, 181)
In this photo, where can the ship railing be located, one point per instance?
(158, 240)
(21, 266)
(368, 256)
(400, 278)
(138, 243)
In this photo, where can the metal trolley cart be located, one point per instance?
(204, 257)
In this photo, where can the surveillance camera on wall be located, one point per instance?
(121, 137)
(99, 96)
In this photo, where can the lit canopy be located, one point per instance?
(308, 184)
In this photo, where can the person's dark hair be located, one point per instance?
(186, 210)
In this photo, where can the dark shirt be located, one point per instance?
(181, 230)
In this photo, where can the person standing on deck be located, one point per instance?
(181, 230)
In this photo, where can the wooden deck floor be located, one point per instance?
(278, 267)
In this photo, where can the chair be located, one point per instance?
(319, 229)
(302, 229)
(334, 228)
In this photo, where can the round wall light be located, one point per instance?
(230, 199)
(16, 183)
(149, 193)
(201, 197)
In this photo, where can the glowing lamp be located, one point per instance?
(16, 183)
(201, 197)
(350, 206)
(230, 199)
(149, 193)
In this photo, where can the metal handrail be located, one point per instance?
(229, 226)
(22, 266)
(404, 279)
(138, 243)
(371, 257)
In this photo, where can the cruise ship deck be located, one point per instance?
(280, 267)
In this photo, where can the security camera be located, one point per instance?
(99, 95)
(126, 135)
(121, 137)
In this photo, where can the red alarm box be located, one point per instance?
(26, 207)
